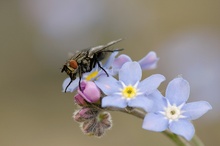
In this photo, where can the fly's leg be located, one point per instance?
(68, 84)
(99, 65)
(113, 50)
(80, 78)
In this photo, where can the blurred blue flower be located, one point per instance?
(148, 62)
(172, 112)
(128, 91)
(90, 76)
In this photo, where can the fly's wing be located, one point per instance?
(97, 49)
(78, 54)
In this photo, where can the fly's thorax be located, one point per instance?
(100, 56)
(86, 64)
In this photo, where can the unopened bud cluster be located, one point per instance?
(93, 120)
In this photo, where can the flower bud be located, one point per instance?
(98, 125)
(105, 117)
(90, 92)
(85, 114)
(79, 100)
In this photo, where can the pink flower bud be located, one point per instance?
(90, 92)
(79, 100)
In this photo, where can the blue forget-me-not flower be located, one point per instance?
(172, 112)
(128, 90)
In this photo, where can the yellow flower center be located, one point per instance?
(92, 75)
(129, 92)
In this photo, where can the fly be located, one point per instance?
(85, 60)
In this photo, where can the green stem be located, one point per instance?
(178, 140)
(197, 141)
(175, 138)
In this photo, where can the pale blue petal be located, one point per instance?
(194, 110)
(130, 73)
(155, 122)
(183, 128)
(101, 73)
(114, 101)
(72, 87)
(150, 84)
(159, 102)
(108, 70)
(177, 91)
(120, 60)
(111, 72)
(108, 85)
(110, 60)
(149, 61)
(118, 63)
(141, 102)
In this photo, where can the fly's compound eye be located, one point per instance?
(73, 64)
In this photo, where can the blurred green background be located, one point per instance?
(37, 35)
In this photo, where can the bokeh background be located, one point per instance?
(37, 35)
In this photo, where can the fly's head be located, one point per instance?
(71, 68)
